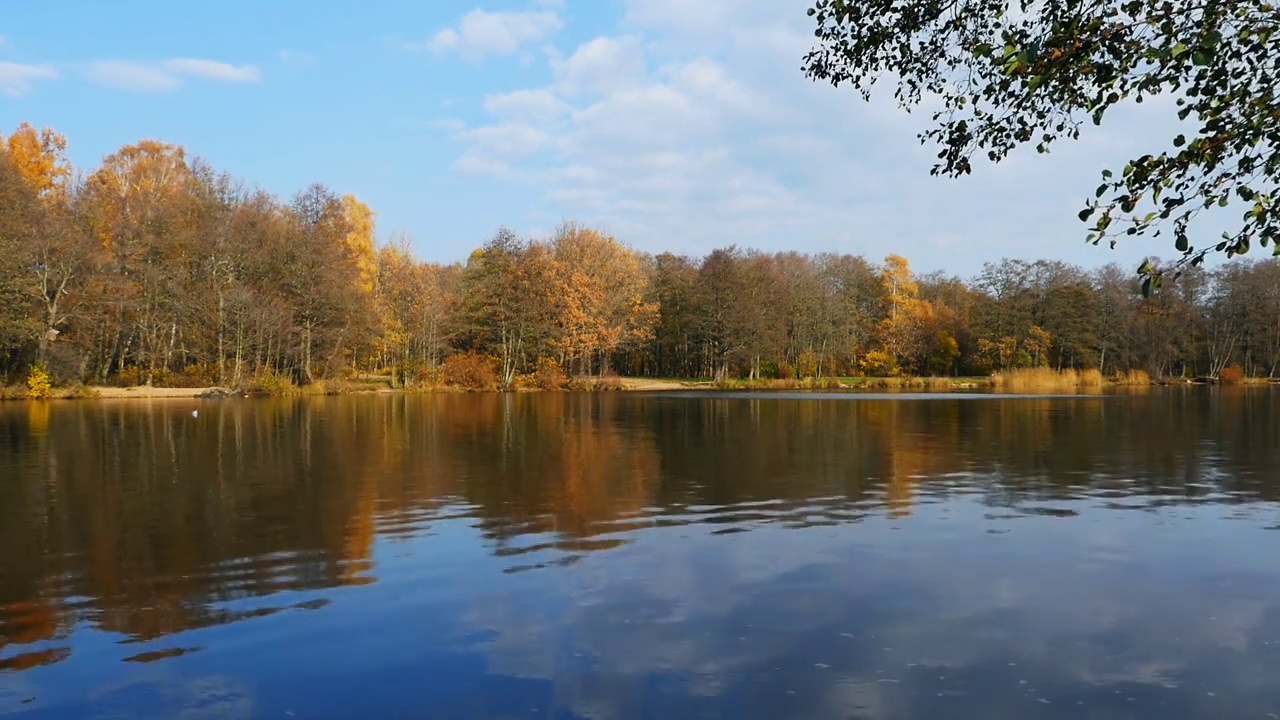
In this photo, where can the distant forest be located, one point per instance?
(155, 268)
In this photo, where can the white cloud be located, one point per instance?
(166, 75)
(16, 78)
(694, 127)
(134, 76)
(212, 70)
(600, 66)
(537, 106)
(680, 16)
(508, 141)
(480, 33)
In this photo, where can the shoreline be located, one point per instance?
(938, 385)
(144, 392)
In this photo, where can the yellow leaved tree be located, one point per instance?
(359, 241)
(40, 156)
(602, 296)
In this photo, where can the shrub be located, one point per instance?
(609, 382)
(786, 372)
(128, 376)
(470, 370)
(198, 375)
(1233, 375)
(39, 384)
(878, 363)
(271, 382)
(807, 364)
(549, 375)
(419, 374)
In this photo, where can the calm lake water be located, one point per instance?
(643, 556)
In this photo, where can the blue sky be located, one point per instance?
(676, 125)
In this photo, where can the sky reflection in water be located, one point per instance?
(630, 556)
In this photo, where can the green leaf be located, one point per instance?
(1179, 50)
(1182, 244)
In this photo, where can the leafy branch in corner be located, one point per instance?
(1007, 73)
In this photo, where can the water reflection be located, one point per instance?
(629, 556)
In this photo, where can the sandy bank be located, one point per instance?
(646, 384)
(142, 392)
(145, 392)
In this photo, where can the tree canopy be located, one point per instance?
(154, 267)
(1008, 73)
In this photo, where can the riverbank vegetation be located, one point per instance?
(154, 269)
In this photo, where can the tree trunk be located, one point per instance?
(306, 353)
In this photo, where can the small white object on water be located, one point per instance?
(195, 413)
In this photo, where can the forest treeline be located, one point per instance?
(155, 268)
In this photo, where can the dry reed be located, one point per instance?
(1133, 378)
(1043, 379)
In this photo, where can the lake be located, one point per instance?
(683, 555)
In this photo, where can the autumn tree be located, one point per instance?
(325, 279)
(1114, 290)
(19, 225)
(40, 157)
(916, 332)
(134, 207)
(416, 301)
(601, 297)
(724, 310)
(359, 241)
(673, 289)
(508, 304)
(43, 251)
(1008, 73)
(856, 302)
(156, 267)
